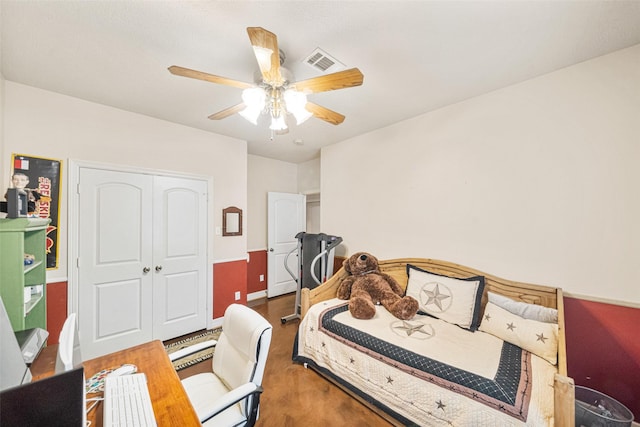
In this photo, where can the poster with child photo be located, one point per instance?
(39, 180)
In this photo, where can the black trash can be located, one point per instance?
(595, 409)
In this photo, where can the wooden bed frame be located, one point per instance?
(564, 393)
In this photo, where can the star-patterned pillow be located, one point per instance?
(539, 338)
(453, 300)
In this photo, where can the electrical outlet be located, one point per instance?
(262, 277)
(237, 295)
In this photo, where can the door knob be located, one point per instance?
(158, 268)
(270, 249)
(146, 270)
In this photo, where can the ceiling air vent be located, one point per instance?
(322, 61)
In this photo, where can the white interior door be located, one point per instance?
(114, 277)
(286, 218)
(179, 256)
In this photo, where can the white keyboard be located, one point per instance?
(127, 402)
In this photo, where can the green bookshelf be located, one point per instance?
(23, 287)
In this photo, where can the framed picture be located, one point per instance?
(39, 179)
(232, 221)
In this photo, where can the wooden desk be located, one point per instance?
(171, 405)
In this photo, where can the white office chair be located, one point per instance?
(230, 395)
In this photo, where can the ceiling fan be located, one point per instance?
(275, 94)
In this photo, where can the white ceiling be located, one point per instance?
(416, 56)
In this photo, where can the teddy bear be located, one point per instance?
(367, 286)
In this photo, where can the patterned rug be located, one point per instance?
(196, 357)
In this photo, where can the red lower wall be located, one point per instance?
(228, 278)
(603, 349)
(257, 267)
(56, 309)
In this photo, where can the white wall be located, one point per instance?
(537, 182)
(309, 184)
(309, 176)
(265, 175)
(50, 125)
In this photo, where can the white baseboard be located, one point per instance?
(215, 323)
(256, 295)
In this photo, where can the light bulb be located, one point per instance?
(295, 102)
(251, 114)
(301, 116)
(278, 123)
(254, 98)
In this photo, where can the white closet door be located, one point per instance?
(179, 256)
(114, 276)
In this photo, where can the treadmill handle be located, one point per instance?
(313, 266)
(328, 248)
(286, 262)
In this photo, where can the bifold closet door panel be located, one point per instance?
(179, 256)
(115, 286)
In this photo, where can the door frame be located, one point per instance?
(72, 225)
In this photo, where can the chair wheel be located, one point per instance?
(283, 321)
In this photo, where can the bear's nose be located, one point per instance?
(363, 257)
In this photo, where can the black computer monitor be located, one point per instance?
(55, 401)
(59, 400)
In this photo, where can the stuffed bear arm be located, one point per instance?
(393, 283)
(344, 290)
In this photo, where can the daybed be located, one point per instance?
(430, 371)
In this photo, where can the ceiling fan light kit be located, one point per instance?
(276, 95)
(277, 102)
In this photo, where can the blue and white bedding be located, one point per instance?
(427, 371)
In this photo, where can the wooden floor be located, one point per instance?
(293, 395)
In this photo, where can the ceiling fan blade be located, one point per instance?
(325, 114)
(340, 80)
(199, 75)
(227, 112)
(265, 47)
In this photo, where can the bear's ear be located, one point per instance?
(345, 264)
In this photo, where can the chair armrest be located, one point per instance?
(191, 349)
(231, 398)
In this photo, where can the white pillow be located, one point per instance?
(453, 300)
(539, 338)
(523, 309)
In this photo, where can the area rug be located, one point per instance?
(198, 357)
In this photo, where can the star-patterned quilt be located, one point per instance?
(426, 371)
